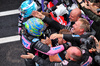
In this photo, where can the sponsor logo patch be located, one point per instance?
(75, 35)
(56, 48)
(24, 43)
(35, 40)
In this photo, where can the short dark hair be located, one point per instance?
(64, 31)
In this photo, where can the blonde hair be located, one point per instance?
(85, 24)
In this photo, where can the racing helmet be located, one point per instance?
(35, 26)
(27, 7)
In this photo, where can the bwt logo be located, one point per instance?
(56, 48)
(24, 43)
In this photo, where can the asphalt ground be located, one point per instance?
(10, 52)
(9, 4)
(8, 25)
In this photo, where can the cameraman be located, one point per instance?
(73, 58)
(95, 52)
(93, 46)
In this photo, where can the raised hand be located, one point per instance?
(97, 43)
(28, 56)
(38, 14)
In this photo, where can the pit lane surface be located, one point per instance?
(10, 46)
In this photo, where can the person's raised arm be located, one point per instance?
(38, 14)
(39, 60)
(48, 20)
(28, 56)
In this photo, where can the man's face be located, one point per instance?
(72, 50)
(76, 27)
(73, 17)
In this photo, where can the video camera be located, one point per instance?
(89, 42)
(54, 42)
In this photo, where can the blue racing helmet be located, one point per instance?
(35, 26)
(27, 7)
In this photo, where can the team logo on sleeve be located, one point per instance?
(56, 48)
(35, 40)
(75, 35)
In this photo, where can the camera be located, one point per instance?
(98, 10)
(89, 42)
(54, 42)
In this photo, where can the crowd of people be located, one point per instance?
(60, 32)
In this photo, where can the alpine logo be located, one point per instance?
(75, 35)
(56, 48)
(24, 43)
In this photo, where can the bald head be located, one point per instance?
(75, 15)
(76, 11)
(75, 50)
(75, 53)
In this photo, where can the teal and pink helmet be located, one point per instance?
(35, 26)
(27, 7)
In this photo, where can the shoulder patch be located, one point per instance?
(35, 40)
(75, 35)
